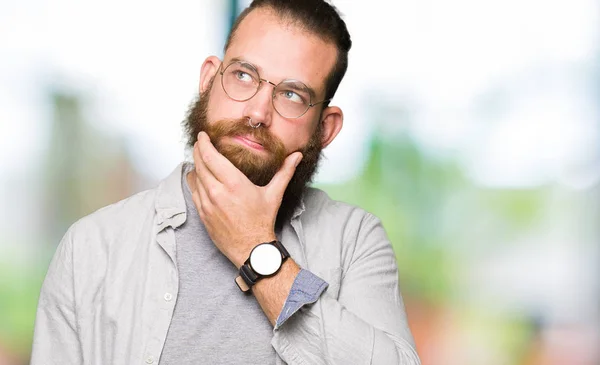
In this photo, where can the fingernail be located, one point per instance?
(298, 159)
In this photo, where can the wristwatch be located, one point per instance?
(265, 260)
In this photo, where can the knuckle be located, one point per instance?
(202, 214)
(234, 184)
(213, 193)
(206, 209)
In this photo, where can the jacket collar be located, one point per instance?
(299, 209)
(170, 204)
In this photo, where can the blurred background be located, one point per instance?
(472, 129)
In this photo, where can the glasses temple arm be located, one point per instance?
(319, 102)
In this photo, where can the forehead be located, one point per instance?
(281, 50)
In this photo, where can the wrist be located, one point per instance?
(289, 269)
(264, 261)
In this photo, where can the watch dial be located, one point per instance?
(265, 259)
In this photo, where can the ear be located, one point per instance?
(332, 119)
(209, 69)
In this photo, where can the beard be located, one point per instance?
(259, 169)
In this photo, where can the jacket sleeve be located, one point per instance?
(55, 338)
(365, 324)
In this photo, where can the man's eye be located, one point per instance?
(292, 96)
(243, 76)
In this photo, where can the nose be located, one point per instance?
(260, 106)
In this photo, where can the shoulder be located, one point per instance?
(319, 206)
(341, 232)
(322, 212)
(111, 221)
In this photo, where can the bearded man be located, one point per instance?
(233, 259)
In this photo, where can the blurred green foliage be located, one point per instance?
(430, 210)
(19, 292)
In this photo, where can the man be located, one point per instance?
(232, 259)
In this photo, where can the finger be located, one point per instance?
(280, 181)
(201, 198)
(195, 189)
(202, 202)
(222, 169)
(205, 177)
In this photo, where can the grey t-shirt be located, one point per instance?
(213, 321)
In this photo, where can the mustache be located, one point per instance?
(241, 127)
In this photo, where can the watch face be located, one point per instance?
(265, 259)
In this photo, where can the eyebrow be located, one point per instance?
(311, 91)
(238, 59)
(293, 84)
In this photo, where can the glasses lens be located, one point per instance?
(291, 99)
(240, 81)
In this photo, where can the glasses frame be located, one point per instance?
(260, 82)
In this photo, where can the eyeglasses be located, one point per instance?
(291, 98)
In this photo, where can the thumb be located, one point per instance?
(282, 178)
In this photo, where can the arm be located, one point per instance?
(271, 293)
(366, 324)
(55, 338)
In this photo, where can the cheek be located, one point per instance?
(294, 134)
(220, 106)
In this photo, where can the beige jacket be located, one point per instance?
(109, 293)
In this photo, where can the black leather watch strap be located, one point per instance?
(248, 277)
(282, 249)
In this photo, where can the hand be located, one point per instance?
(238, 215)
